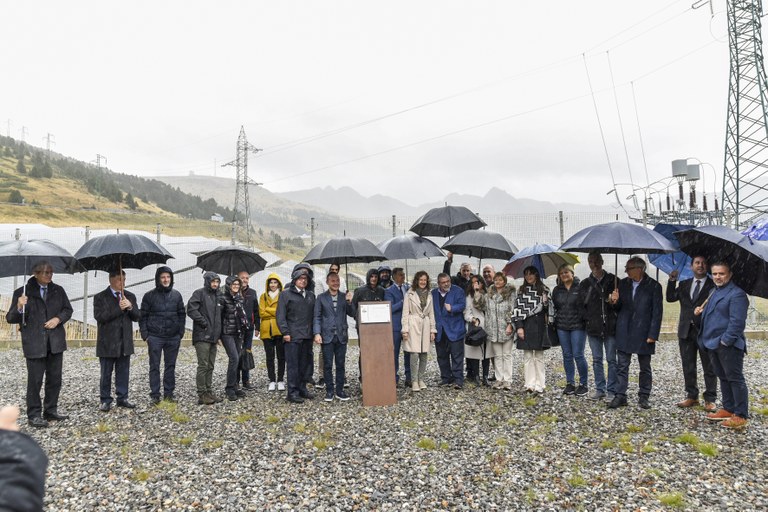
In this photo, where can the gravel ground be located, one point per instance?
(476, 449)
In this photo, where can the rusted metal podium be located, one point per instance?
(377, 359)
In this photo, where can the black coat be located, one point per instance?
(251, 306)
(35, 338)
(162, 311)
(569, 307)
(114, 337)
(205, 311)
(23, 465)
(682, 293)
(535, 332)
(599, 314)
(295, 314)
(233, 318)
(639, 317)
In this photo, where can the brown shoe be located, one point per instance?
(688, 402)
(720, 415)
(710, 407)
(735, 423)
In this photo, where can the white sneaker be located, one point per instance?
(280, 386)
(272, 386)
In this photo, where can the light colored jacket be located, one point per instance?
(418, 323)
(498, 313)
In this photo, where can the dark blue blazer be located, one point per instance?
(724, 318)
(393, 295)
(451, 323)
(639, 317)
(329, 323)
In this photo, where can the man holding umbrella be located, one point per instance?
(42, 309)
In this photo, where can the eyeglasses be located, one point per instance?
(627, 269)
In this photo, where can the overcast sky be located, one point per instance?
(415, 99)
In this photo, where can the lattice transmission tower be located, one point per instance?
(745, 173)
(241, 216)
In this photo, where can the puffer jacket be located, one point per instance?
(498, 313)
(162, 310)
(268, 309)
(204, 309)
(569, 306)
(234, 320)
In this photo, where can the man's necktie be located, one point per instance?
(696, 290)
(44, 293)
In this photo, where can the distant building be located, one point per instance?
(217, 218)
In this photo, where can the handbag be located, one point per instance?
(246, 361)
(475, 336)
(551, 330)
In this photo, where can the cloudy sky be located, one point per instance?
(415, 99)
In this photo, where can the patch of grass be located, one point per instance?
(550, 496)
(546, 418)
(444, 446)
(649, 447)
(655, 472)
(635, 428)
(300, 428)
(408, 424)
(271, 419)
(672, 499)
(607, 444)
(573, 438)
(141, 475)
(763, 411)
(213, 444)
(125, 451)
(576, 480)
(708, 449)
(625, 443)
(89, 358)
(167, 406)
(185, 441)
(502, 441)
(242, 418)
(426, 443)
(536, 448)
(124, 438)
(320, 443)
(513, 422)
(431, 469)
(179, 417)
(688, 438)
(102, 427)
(530, 496)
(492, 409)
(530, 402)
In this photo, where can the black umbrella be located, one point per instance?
(116, 252)
(409, 247)
(747, 257)
(482, 244)
(344, 250)
(447, 221)
(18, 256)
(230, 259)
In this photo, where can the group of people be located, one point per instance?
(619, 318)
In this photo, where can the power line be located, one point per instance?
(621, 122)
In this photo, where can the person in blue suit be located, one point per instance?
(330, 330)
(396, 294)
(638, 300)
(723, 319)
(449, 301)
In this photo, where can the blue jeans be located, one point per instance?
(334, 352)
(168, 349)
(596, 345)
(121, 366)
(728, 363)
(233, 347)
(573, 343)
(397, 337)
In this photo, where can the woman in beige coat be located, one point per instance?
(419, 328)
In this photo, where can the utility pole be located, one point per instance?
(24, 133)
(312, 231)
(8, 131)
(48, 140)
(562, 227)
(394, 226)
(85, 292)
(98, 160)
(242, 202)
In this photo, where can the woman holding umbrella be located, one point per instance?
(530, 318)
(234, 323)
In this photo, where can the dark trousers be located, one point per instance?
(206, 358)
(48, 367)
(473, 368)
(728, 364)
(622, 373)
(298, 362)
(168, 349)
(450, 360)
(233, 347)
(689, 350)
(244, 375)
(121, 366)
(397, 337)
(334, 352)
(275, 346)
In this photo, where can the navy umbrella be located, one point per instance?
(747, 257)
(230, 259)
(677, 260)
(344, 250)
(482, 244)
(447, 221)
(119, 251)
(18, 256)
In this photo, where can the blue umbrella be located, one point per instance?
(676, 260)
(546, 258)
(758, 230)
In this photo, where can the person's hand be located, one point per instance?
(673, 275)
(431, 336)
(449, 256)
(521, 333)
(349, 296)
(22, 302)
(52, 323)
(287, 338)
(318, 339)
(508, 330)
(698, 310)
(9, 416)
(476, 321)
(544, 298)
(615, 296)
(125, 304)
(405, 335)
(447, 307)
(650, 340)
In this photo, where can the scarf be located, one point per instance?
(423, 294)
(527, 303)
(273, 294)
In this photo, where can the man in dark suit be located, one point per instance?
(639, 302)
(692, 293)
(723, 320)
(115, 309)
(449, 301)
(396, 295)
(41, 310)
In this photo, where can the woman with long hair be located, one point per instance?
(419, 327)
(530, 318)
(474, 315)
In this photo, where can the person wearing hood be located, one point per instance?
(234, 325)
(42, 309)
(270, 332)
(295, 312)
(204, 310)
(317, 289)
(370, 291)
(385, 276)
(162, 326)
(250, 304)
(568, 299)
(115, 309)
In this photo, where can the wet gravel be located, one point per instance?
(475, 449)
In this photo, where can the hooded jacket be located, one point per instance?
(268, 309)
(367, 293)
(234, 320)
(162, 310)
(205, 311)
(295, 311)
